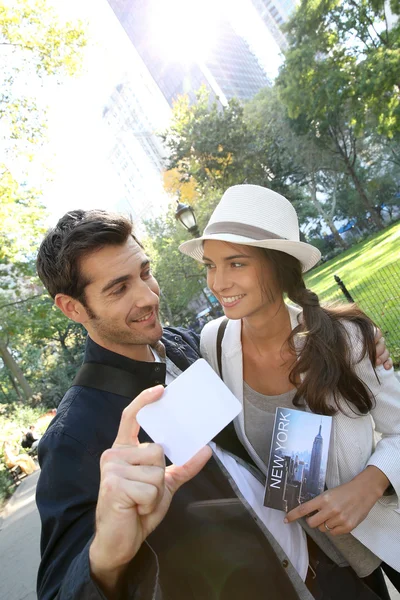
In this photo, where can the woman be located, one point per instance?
(317, 359)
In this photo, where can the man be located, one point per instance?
(115, 522)
(30, 440)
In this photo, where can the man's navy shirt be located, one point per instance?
(207, 539)
(86, 424)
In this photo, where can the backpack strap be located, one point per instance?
(107, 379)
(227, 438)
(220, 337)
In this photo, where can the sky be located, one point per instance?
(303, 428)
(77, 152)
(77, 149)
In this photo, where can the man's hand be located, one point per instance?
(382, 353)
(339, 510)
(136, 490)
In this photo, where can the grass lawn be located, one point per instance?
(371, 273)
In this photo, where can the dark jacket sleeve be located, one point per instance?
(66, 498)
(190, 337)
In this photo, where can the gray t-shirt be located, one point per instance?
(259, 416)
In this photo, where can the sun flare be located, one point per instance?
(185, 30)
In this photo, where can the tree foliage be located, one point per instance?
(340, 75)
(35, 47)
(221, 146)
(218, 159)
(301, 159)
(22, 217)
(350, 49)
(181, 279)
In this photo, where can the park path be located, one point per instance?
(19, 543)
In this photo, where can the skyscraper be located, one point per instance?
(231, 69)
(299, 470)
(140, 105)
(134, 114)
(275, 13)
(173, 78)
(315, 465)
(234, 67)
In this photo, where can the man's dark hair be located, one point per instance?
(78, 234)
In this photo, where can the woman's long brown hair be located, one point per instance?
(324, 359)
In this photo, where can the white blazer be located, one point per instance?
(352, 446)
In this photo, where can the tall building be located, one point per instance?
(275, 13)
(140, 105)
(313, 482)
(172, 78)
(299, 471)
(233, 66)
(133, 116)
(230, 69)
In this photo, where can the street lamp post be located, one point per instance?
(186, 217)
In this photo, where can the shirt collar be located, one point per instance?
(94, 353)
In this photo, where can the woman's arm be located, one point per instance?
(341, 509)
(386, 417)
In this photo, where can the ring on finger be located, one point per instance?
(327, 527)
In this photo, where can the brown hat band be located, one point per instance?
(249, 231)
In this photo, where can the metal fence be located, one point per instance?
(379, 297)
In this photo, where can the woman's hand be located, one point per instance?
(341, 509)
(382, 353)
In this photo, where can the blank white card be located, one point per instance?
(193, 409)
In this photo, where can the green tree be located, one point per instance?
(22, 218)
(181, 279)
(219, 147)
(310, 168)
(35, 47)
(207, 142)
(380, 176)
(352, 38)
(329, 81)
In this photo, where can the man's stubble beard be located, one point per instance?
(109, 333)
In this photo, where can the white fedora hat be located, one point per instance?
(255, 216)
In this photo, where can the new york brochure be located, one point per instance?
(298, 458)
